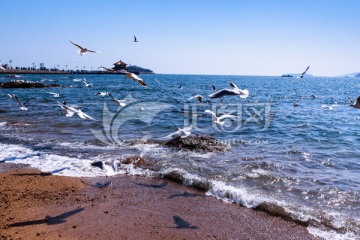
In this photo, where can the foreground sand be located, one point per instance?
(34, 206)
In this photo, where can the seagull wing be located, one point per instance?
(84, 115)
(136, 78)
(77, 45)
(93, 51)
(358, 100)
(305, 70)
(107, 69)
(18, 101)
(213, 88)
(233, 85)
(210, 112)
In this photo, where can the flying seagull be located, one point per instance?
(302, 75)
(136, 78)
(198, 97)
(122, 103)
(357, 104)
(54, 94)
(218, 119)
(135, 39)
(86, 83)
(21, 105)
(181, 132)
(70, 111)
(84, 50)
(102, 94)
(230, 92)
(107, 69)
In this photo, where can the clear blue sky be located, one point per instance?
(254, 37)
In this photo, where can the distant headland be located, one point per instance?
(119, 68)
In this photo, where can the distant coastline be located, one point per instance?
(19, 71)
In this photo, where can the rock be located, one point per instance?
(135, 160)
(175, 176)
(23, 84)
(201, 143)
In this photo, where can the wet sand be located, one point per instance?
(37, 206)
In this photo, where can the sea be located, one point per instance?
(292, 148)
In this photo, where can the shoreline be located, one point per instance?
(34, 205)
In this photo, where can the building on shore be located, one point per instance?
(120, 65)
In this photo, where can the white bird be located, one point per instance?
(302, 75)
(198, 97)
(181, 132)
(2, 68)
(84, 50)
(217, 119)
(70, 111)
(122, 103)
(102, 94)
(86, 83)
(158, 81)
(230, 92)
(357, 104)
(21, 105)
(107, 69)
(136, 78)
(330, 107)
(54, 94)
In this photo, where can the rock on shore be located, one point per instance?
(27, 84)
(201, 143)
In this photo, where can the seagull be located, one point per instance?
(158, 81)
(70, 111)
(21, 105)
(84, 50)
(107, 69)
(180, 87)
(218, 119)
(357, 104)
(231, 92)
(2, 68)
(54, 94)
(135, 39)
(198, 97)
(102, 94)
(86, 83)
(330, 107)
(181, 132)
(135, 78)
(302, 75)
(120, 102)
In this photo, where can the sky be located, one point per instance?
(229, 37)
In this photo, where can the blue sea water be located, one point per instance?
(292, 151)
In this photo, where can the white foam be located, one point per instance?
(332, 235)
(3, 124)
(49, 162)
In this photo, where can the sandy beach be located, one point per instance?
(39, 206)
